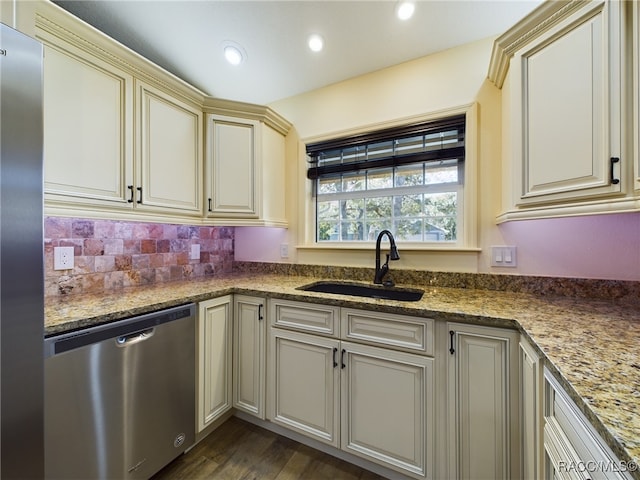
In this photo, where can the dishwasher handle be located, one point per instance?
(132, 338)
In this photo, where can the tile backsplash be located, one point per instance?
(109, 255)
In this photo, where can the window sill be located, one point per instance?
(371, 246)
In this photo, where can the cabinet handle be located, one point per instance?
(451, 349)
(342, 358)
(140, 196)
(614, 160)
(335, 363)
(210, 206)
(260, 317)
(130, 187)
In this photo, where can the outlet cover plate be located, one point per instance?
(63, 258)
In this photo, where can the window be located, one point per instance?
(408, 180)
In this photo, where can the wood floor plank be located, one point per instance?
(239, 450)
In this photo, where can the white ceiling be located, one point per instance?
(186, 37)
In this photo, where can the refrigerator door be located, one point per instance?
(21, 257)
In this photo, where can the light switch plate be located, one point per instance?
(503, 256)
(63, 258)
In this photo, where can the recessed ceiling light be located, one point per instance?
(315, 42)
(405, 10)
(234, 53)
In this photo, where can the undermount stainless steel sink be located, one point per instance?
(362, 290)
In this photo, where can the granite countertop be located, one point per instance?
(589, 345)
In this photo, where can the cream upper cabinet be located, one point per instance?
(121, 139)
(88, 127)
(170, 153)
(566, 137)
(215, 329)
(235, 146)
(249, 354)
(483, 434)
(245, 166)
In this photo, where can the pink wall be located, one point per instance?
(596, 246)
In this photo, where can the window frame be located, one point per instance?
(467, 240)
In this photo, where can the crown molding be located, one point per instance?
(244, 110)
(526, 30)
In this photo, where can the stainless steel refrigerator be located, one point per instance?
(21, 258)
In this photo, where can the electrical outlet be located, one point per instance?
(284, 250)
(195, 251)
(63, 258)
(503, 256)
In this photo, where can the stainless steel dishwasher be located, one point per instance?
(120, 398)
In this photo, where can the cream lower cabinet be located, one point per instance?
(215, 328)
(531, 412)
(572, 447)
(483, 434)
(305, 384)
(373, 402)
(249, 353)
(387, 407)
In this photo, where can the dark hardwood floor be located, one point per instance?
(241, 450)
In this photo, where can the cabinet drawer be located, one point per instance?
(307, 317)
(407, 333)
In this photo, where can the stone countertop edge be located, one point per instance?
(588, 345)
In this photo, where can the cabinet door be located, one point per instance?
(249, 340)
(387, 408)
(234, 147)
(88, 112)
(170, 154)
(531, 423)
(215, 328)
(567, 109)
(304, 372)
(483, 417)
